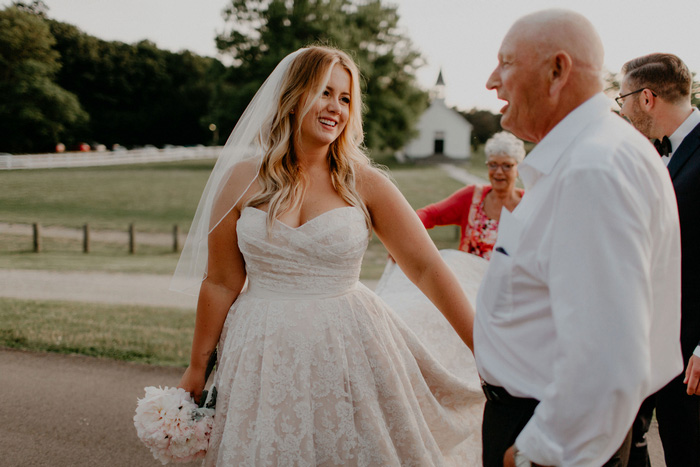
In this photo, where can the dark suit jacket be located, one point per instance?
(684, 168)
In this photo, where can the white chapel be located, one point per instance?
(443, 133)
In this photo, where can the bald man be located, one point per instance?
(578, 315)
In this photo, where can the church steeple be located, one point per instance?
(440, 81)
(439, 89)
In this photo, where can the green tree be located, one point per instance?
(259, 33)
(35, 112)
(485, 124)
(136, 93)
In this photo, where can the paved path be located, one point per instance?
(73, 411)
(462, 175)
(99, 287)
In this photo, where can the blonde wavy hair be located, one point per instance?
(282, 182)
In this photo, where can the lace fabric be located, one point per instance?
(316, 369)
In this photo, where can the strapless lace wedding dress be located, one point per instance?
(316, 369)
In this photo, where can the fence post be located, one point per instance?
(86, 238)
(132, 239)
(176, 239)
(37, 237)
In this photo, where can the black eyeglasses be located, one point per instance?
(619, 100)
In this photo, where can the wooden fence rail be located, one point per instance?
(38, 233)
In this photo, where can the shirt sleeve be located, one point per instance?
(449, 211)
(599, 282)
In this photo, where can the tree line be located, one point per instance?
(60, 84)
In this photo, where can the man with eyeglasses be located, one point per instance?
(655, 97)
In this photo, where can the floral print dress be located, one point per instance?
(480, 234)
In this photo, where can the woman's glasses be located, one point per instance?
(506, 167)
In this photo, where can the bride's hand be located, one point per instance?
(193, 382)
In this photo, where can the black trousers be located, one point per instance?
(678, 415)
(505, 417)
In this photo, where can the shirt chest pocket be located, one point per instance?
(497, 292)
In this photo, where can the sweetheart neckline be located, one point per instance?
(305, 223)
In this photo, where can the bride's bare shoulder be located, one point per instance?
(369, 175)
(244, 170)
(238, 182)
(372, 181)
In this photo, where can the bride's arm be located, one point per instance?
(225, 278)
(403, 234)
(224, 281)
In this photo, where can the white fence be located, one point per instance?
(89, 159)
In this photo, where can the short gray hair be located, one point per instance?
(505, 144)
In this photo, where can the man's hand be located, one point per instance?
(692, 376)
(509, 458)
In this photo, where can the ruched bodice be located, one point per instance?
(322, 256)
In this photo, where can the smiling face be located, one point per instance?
(328, 115)
(503, 171)
(518, 79)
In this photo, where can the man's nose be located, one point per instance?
(493, 81)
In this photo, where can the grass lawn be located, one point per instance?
(60, 254)
(158, 336)
(154, 197)
(66, 255)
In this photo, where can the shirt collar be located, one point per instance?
(682, 131)
(542, 159)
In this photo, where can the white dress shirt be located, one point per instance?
(582, 311)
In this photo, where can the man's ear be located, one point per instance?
(647, 100)
(560, 65)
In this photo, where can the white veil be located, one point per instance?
(243, 144)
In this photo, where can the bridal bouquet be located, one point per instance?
(172, 426)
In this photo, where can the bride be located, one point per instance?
(314, 368)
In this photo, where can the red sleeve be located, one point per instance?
(449, 211)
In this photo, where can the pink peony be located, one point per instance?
(171, 425)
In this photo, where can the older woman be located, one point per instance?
(477, 209)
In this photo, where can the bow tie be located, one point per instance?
(663, 146)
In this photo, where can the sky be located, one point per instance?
(461, 37)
